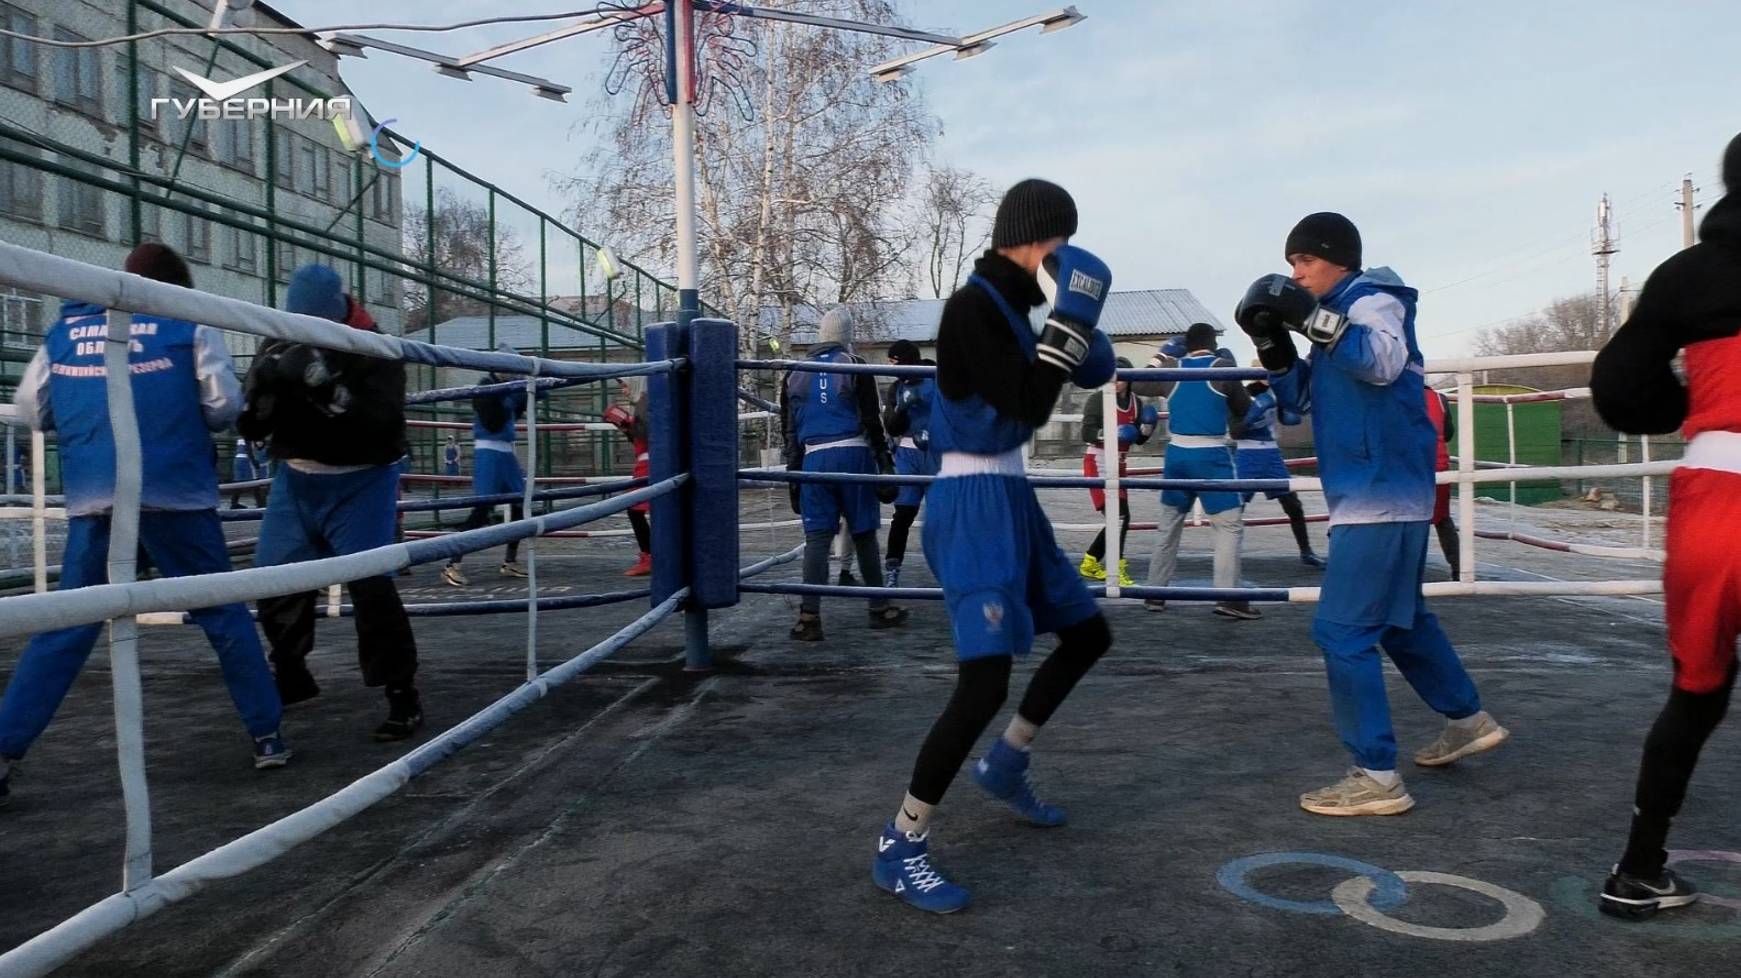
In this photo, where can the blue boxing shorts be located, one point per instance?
(1372, 583)
(1004, 578)
(1261, 463)
(495, 472)
(910, 460)
(1199, 463)
(824, 505)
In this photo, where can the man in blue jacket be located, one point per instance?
(1363, 385)
(184, 388)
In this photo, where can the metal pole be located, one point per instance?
(492, 257)
(1644, 456)
(1511, 454)
(526, 512)
(680, 86)
(38, 507)
(1109, 450)
(1466, 468)
(1688, 239)
(124, 631)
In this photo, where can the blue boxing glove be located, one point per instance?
(1226, 354)
(1174, 348)
(1076, 284)
(1147, 419)
(1127, 435)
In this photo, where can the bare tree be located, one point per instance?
(803, 175)
(463, 244)
(952, 224)
(1566, 325)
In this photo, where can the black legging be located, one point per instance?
(1097, 549)
(1297, 520)
(898, 527)
(643, 530)
(481, 516)
(1447, 531)
(386, 647)
(982, 685)
(1670, 753)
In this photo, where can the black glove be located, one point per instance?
(794, 489)
(1272, 305)
(886, 494)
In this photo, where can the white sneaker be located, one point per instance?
(512, 568)
(1358, 794)
(1455, 743)
(453, 575)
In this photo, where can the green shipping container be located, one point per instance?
(1537, 427)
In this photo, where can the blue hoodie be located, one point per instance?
(184, 387)
(1369, 415)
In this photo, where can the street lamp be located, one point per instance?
(974, 45)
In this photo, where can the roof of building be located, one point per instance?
(1147, 312)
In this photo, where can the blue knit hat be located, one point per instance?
(316, 290)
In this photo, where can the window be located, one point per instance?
(306, 155)
(236, 144)
(196, 238)
(19, 69)
(286, 261)
(388, 295)
(21, 189)
(195, 130)
(244, 250)
(78, 78)
(380, 199)
(343, 187)
(284, 159)
(81, 204)
(150, 223)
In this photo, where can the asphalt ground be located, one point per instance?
(642, 820)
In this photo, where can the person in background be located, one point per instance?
(630, 418)
(450, 456)
(1445, 423)
(907, 417)
(1256, 456)
(184, 388)
(1135, 423)
(495, 468)
(337, 423)
(242, 470)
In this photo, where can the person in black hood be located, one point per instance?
(1691, 303)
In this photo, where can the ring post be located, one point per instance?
(712, 494)
(666, 407)
(1109, 470)
(1466, 469)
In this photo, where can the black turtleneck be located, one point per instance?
(1692, 297)
(977, 353)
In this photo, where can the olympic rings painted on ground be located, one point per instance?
(1522, 915)
(1388, 889)
(1708, 856)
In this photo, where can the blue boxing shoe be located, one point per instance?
(903, 867)
(1003, 773)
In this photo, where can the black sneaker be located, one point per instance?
(807, 629)
(1634, 898)
(846, 579)
(404, 716)
(295, 684)
(887, 617)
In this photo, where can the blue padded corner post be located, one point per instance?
(666, 411)
(713, 463)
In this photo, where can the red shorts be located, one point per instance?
(1702, 578)
(643, 469)
(1441, 503)
(1091, 469)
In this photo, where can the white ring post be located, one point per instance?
(1511, 454)
(39, 507)
(334, 600)
(124, 631)
(1109, 442)
(526, 512)
(1465, 469)
(1644, 456)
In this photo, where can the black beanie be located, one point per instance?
(1033, 210)
(1732, 166)
(1327, 235)
(160, 263)
(903, 352)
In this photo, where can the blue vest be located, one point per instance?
(514, 403)
(1260, 418)
(924, 395)
(825, 406)
(1196, 408)
(178, 463)
(971, 425)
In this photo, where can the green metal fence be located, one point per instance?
(92, 161)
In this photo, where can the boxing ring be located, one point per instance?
(693, 391)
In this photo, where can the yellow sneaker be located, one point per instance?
(1091, 569)
(1124, 578)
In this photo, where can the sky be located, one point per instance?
(1470, 141)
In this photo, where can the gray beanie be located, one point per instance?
(836, 329)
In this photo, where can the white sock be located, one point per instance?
(1387, 778)
(914, 818)
(1470, 723)
(1020, 733)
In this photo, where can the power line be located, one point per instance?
(302, 31)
